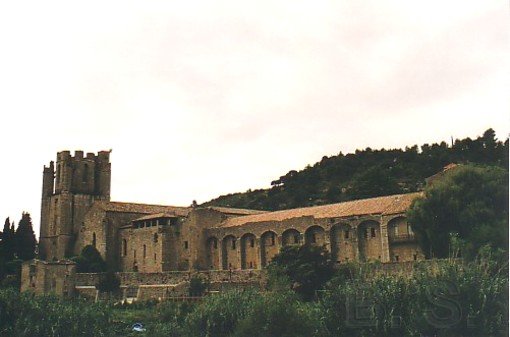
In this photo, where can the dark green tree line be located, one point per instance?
(368, 173)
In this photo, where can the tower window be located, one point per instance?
(124, 247)
(234, 244)
(85, 176)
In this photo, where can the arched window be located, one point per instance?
(94, 239)
(124, 247)
(85, 176)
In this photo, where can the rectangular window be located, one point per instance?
(396, 258)
(415, 257)
(185, 244)
(233, 244)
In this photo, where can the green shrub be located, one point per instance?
(197, 286)
(278, 315)
(23, 315)
(219, 315)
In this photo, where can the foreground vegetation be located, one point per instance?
(447, 299)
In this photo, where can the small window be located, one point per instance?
(415, 257)
(155, 237)
(155, 257)
(234, 244)
(185, 244)
(85, 176)
(252, 243)
(134, 254)
(346, 234)
(124, 247)
(314, 238)
(372, 232)
(396, 258)
(215, 244)
(94, 239)
(144, 251)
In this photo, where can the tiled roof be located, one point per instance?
(128, 207)
(156, 216)
(392, 204)
(236, 211)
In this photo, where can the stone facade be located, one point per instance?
(76, 211)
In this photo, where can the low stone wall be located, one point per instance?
(175, 277)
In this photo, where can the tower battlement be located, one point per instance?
(70, 186)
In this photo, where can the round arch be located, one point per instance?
(269, 247)
(315, 236)
(213, 253)
(229, 253)
(249, 257)
(291, 236)
(369, 240)
(343, 243)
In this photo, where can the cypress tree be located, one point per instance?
(25, 238)
(7, 243)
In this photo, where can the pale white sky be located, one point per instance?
(203, 98)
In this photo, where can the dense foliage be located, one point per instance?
(90, 261)
(469, 205)
(22, 315)
(444, 298)
(16, 245)
(368, 173)
(306, 268)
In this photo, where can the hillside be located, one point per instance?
(367, 173)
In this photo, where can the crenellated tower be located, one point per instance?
(70, 187)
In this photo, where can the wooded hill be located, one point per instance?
(368, 173)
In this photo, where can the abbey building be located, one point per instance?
(76, 211)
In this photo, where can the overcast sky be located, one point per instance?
(203, 98)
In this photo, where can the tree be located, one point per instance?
(90, 261)
(307, 267)
(7, 245)
(25, 238)
(469, 205)
(374, 182)
(108, 283)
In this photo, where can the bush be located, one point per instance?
(278, 315)
(108, 283)
(219, 315)
(197, 286)
(22, 315)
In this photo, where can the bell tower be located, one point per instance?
(70, 187)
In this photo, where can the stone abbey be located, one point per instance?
(134, 238)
